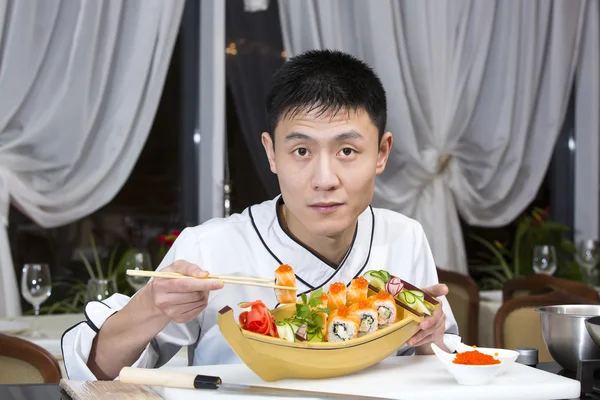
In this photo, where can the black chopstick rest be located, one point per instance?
(207, 382)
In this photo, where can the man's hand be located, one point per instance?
(182, 299)
(432, 327)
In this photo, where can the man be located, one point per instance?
(326, 114)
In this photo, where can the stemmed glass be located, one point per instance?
(587, 256)
(544, 260)
(140, 261)
(36, 287)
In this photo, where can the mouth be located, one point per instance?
(326, 207)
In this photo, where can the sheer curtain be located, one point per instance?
(477, 91)
(80, 82)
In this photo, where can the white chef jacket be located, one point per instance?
(254, 243)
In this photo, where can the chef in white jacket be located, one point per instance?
(326, 113)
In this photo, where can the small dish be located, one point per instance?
(468, 375)
(507, 357)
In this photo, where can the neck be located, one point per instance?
(332, 248)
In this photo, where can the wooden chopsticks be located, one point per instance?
(235, 280)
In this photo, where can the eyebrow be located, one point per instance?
(352, 134)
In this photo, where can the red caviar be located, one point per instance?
(474, 358)
(336, 288)
(360, 283)
(283, 268)
(343, 311)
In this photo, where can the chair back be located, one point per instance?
(24, 362)
(540, 284)
(517, 324)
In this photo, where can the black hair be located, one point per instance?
(327, 81)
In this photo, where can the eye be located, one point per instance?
(302, 152)
(347, 151)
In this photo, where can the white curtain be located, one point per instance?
(587, 130)
(80, 81)
(477, 91)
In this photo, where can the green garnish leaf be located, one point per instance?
(304, 301)
(318, 320)
(304, 311)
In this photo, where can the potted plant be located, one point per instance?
(505, 260)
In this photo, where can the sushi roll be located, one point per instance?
(367, 315)
(337, 295)
(357, 291)
(285, 276)
(385, 305)
(343, 325)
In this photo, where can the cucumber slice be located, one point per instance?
(418, 294)
(285, 330)
(410, 298)
(429, 306)
(374, 279)
(402, 297)
(407, 298)
(385, 276)
(421, 307)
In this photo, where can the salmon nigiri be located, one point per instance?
(357, 291)
(284, 276)
(337, 295)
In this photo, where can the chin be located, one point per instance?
(329, 228)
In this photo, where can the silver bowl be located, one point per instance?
(566, 335)
(593, 327)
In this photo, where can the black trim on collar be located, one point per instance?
(89, 321)
(62, 351)
(269, 250)
(370, 244)
(311, 251)
(366, 261)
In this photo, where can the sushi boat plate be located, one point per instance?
(273, 359)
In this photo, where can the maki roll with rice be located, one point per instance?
(367, 315)
(342, 325)
(385, 305)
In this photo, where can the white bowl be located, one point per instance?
(469, 375)
(507, 357)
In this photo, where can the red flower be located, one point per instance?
(169, 239)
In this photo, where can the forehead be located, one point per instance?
(322, 123)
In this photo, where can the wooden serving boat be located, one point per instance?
(273, 359)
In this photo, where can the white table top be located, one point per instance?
(416, 377)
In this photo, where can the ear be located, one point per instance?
(385, 147)
(269, 150)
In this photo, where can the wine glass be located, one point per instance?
(587, 256)
(544, 260)
(139, 260)
(36, 287)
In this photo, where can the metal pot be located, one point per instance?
(566, 335)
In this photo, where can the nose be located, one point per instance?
(325, 177)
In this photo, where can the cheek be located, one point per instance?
(359, 178)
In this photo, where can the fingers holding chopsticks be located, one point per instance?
(183, 299)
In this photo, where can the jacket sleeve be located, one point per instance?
(76, 342)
